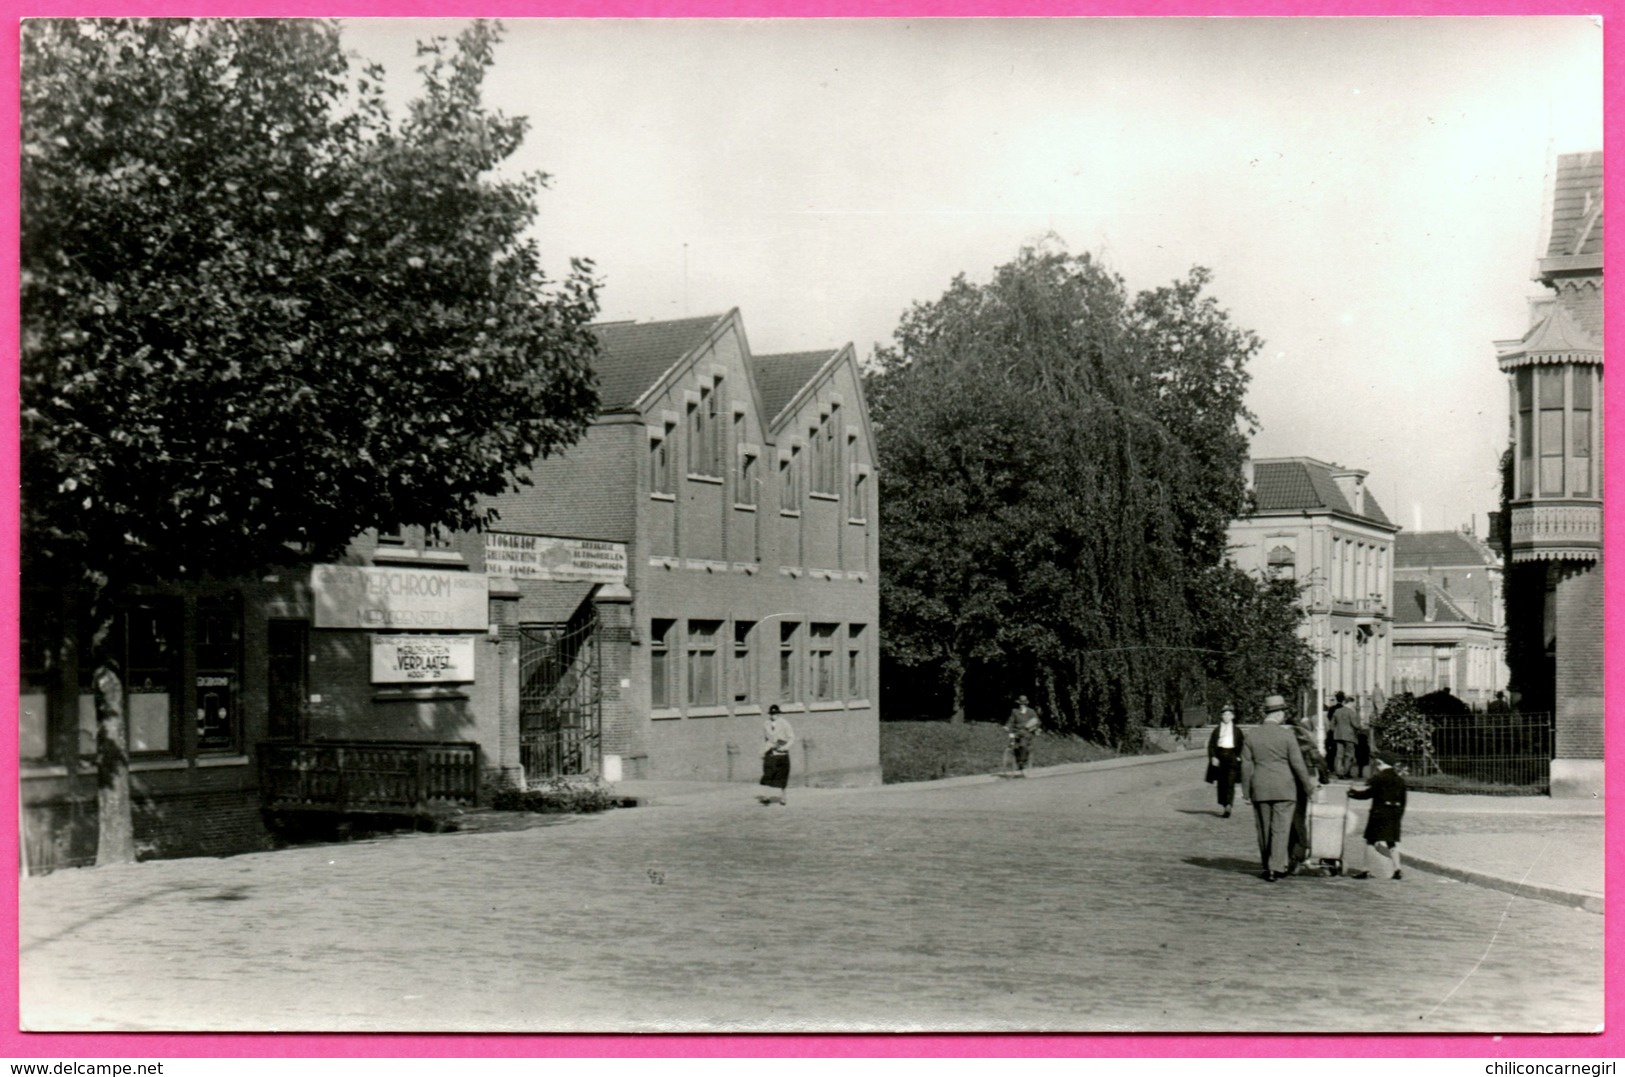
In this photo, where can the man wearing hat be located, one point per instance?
(1272, 775)
(1022, 727)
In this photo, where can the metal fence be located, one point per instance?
(1482, 753)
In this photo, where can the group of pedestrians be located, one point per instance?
(1278, 766)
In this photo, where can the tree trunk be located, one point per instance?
(115, 830)
(956, 675)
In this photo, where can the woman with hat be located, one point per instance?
(1224, 757)
(778, 735)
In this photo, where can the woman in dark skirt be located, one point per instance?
(1386, 792)
(776, 758)
(1224, 757)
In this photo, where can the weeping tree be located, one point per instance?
(261, 315)
(1059, 462)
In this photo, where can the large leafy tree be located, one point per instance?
(260, 314)
(1059, 463)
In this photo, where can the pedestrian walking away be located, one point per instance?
(1298, 848)
(1362, 739)
(1224, 757)
(1272, 775)
(1343, 738)
(1022, 727)
(778, 735)
(1386, 791)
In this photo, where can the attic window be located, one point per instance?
(705, 434)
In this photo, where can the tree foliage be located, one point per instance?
(1059, 464)
(258, 311)
(260, 315)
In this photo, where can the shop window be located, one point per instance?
(704, 689)
(744, 673)
(287, 677)
(857, 666)
(218, 650)
(661, 692)
(821, 662)
(789, 641)
(146, 639)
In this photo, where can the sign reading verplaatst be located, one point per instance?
(352, 596)
(422, 659)
(542, 557)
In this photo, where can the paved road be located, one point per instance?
(1111, 900)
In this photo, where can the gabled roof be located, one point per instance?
(780, 377)
(1577, 207)
(1441, 549)
(1410, 604)
(1302, 484)
(635, 355)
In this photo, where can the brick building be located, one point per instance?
(707, 549)
(740, 488)
(1320, 524)
(1554, 531)
(1449, 631)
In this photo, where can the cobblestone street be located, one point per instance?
(1103, 901)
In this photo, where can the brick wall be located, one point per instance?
(1579, 662)
(61, 833)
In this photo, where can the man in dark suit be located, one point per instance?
(1272, 774)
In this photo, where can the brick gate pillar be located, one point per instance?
(1577, 770)
(613, 605)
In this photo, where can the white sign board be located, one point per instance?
(350, 596)
(419, 659)
(541, 557)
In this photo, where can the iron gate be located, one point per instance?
(560, 699)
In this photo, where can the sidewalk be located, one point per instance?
(1536, 847)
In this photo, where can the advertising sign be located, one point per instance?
(422, 659)
(353, 596)
(541, 557)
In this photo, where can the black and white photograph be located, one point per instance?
(787, 525)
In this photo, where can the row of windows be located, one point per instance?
(829, 442)
(1359, 570)
(712, 663)
(166, 677)
(1554, 434)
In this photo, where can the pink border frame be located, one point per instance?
(1610, 1043)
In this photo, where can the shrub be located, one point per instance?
(573, 794)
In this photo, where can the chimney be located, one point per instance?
(1351, 484)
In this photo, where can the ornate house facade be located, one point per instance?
(1554, 531)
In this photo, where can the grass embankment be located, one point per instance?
(921, 751)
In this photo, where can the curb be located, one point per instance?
(1557, 895)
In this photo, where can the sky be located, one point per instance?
(1368, 192)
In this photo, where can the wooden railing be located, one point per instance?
(368, 776)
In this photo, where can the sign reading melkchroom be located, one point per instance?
(352, 596)
(422, 659)
(544, 557)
